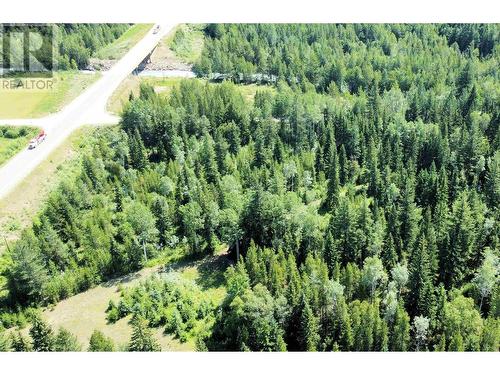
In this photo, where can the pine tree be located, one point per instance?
(330, 254)
(421, 289)
(65, 341)
(490, 338)
(457, 343)
(28, 275)
(341, 330)
(20, 343)
(400, 337)
(389, 253)
(333, 189)
(138, 152)
(427, 231)
(142, 339)
(42, 336)
(410, 215)
(462, 238)
(343, 166)
(374, 179)
(294, 283)
(208, 159)
(309, 328)
(100, 343)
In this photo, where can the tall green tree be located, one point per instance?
(142, 339)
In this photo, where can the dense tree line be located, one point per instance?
(78, 42)
(362, 216)
(70, 45)
(350, 58)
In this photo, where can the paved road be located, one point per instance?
(88, 108)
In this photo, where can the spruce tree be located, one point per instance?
(42, 335)
(333, 189)
(65, 341)
(142, 339)
(462, 237)
(100, 343)
(400, 336)
(421, 289)
(20, 343)
(309, 328)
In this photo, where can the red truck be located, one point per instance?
(37, 140)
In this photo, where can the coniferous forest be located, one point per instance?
(358, 193)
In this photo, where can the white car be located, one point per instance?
(36, 141)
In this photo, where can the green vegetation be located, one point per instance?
(54, 94)
(358, 200)
(14, 139)
(187, 42)
(182, 301)
(75, 44)
(124, 43)
(79, 42)
(20, 207)
(164, 86)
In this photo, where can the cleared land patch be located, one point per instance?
(127, 40)
(164, 86)
(84, 312)
(18, 100)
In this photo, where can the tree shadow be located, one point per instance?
(121, 279)
(211, 271)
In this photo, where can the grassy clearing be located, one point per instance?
(50, 96)
(85, 312)
(164, 86)
(124, 43)
(121, 95)
(18, 209)
(13, 140)
(187, 42)
(179, 49)
(249, 91)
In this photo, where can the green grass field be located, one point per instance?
(126, 41)
(27, 102)
(83, 313)
(14, 139)
(186, 42)
(164, 86)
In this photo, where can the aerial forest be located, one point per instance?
(357, 193)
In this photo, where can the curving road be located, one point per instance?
(88, 108)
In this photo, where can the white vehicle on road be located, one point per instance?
(37, 140)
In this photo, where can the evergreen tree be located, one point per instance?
(42, 336)
(421, 289)
(462, 238)
(309, 329)
(20, 343)
(100, 343)
(65, 341)
(333, 190)
(400, 337)
(142, 339)
(138, 153)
